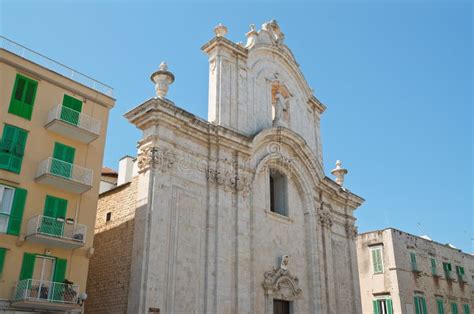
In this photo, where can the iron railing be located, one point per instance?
(46, 291)
(65, 170)
(56, 227)
(55, 66)
(74, 117)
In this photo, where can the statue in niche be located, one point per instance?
(281, 110)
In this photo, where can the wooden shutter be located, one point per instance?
(12, 148)
(55, 207)
(423, 304)
(27, 266)
(59, 270)
(417, 305)
(16, 214)
(413, 261)
(3, 252)
(466, 309)
(64, 152)
(376, 306)
(454, 308)
(440, 306)
(6, 147)
(389, 306)
(23, 97)
(72, 113)
(18, 150)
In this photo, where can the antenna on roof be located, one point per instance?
(419, 228)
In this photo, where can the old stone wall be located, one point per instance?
(109, 267)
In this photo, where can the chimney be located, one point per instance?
(125, 172)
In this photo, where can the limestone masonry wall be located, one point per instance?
(109, 268)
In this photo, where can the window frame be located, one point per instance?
(2, 191)
(278, 193)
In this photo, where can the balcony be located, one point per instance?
(56, 232)
(64, 176)
(45, 295)
(73, 124)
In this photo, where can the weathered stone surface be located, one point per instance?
(205, 238)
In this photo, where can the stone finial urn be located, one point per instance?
(339, 173)
(220, 30)
(162, 79)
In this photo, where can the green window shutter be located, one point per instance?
(64, 153)
(59, 270)
(389, 306)
(23, 97)
(54, 207)
(376, 307)
(466, 309)
(72, 103)
(440, 306)
(12, 148)
(413, 261)
(454, 308)
(433, 266)
(417, 305)
(27, 266)
(3, 252)
(73, 108)
(423, 304)
(16, 214)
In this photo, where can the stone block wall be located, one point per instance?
(109, 267)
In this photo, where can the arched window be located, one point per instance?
(278, 193)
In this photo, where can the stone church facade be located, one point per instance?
(234, 214)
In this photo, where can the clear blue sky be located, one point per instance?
(396, 78)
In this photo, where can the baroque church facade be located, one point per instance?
(235, 214)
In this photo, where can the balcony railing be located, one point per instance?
(55, 66)
(75, 119)
(46, 291)
(64, 175)
(63, 232)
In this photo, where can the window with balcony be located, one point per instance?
(63, 160)
(278, 193)
(12, 204)
(23, 97)
(383, 306)
(420, 305)
(12, 148)
(377, 259)
(71, 109)
(42, 278)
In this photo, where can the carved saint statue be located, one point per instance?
(281, 108)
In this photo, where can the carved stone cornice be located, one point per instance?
(161, 159)
(351, 230)
(280, 284)
(229, 181)
(325, 215)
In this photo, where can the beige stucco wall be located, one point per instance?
(39, 146)
(401, 282)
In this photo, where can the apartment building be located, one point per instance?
(53, 123)
(403, 273)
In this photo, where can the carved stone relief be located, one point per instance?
(280, 284)
(158, 158)
(325, 215)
